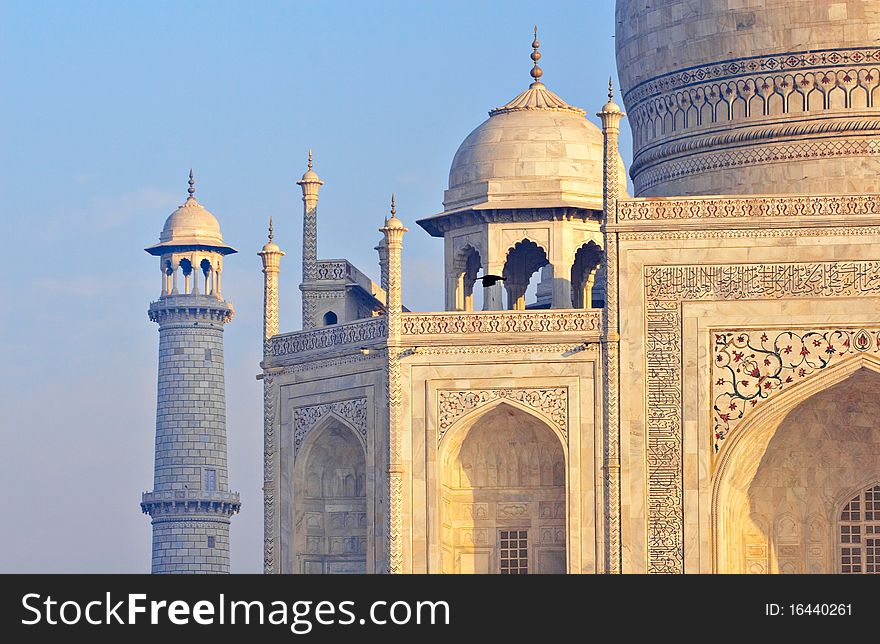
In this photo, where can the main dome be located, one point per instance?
(767, 96)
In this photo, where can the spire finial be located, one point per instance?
(393, 206)
(610, 89)
(536, 72)
(271, 232)
(192, 182)
(310, 158)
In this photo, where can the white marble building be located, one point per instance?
(690, 388)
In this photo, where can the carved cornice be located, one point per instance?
(440, 224)
(190, 503)
(337, 335)
(546, 321)
(501, 349)
(750, 233)
(747, 207)
(185, 309)
(354, 335)
(332, 363)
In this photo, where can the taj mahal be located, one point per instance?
(681, 380)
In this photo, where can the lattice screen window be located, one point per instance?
(514, 552)
(860, 534)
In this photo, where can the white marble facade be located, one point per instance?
(691, 391)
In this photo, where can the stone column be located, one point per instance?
(492, 300)
(516, 295)
(310, 183)
(394, 231)
(611, 116)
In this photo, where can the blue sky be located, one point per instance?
(104, 107)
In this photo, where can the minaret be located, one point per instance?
(393, 231)
(382, 249)
(611, 115)
(190, 504)
(271, 256)
(310, 183)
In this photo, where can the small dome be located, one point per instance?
(535, 152)
(192, 224)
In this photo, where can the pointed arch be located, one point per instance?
(746, 457)
(525, 258)
(326, 420)
(330, 516)
(465, 266)
(455, 434)
(503, 493)
(584, 270)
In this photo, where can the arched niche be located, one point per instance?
(524, 260)
(330, 504)
(781, 483)
(503, 494)
(465, 266)
(584, 270)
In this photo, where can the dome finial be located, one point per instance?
(271, 232)
(610, 89)
(192, 182)
(536, 72)
(310, 158)
(393, 206)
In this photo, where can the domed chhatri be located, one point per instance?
(536, 151)
(765, 97)
(191, 225)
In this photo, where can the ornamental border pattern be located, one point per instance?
(751, 366)
(333, 336)
(353, 410)
(666, 287)
(739, 89)
(747, 207)
(501, 322)
(332, 270)
(549, 402)
(747, 156)
(750, 233)
(757, 134)
(269, 475)
(508, 348)
(730, 68)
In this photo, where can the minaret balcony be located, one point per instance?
(190, 501)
